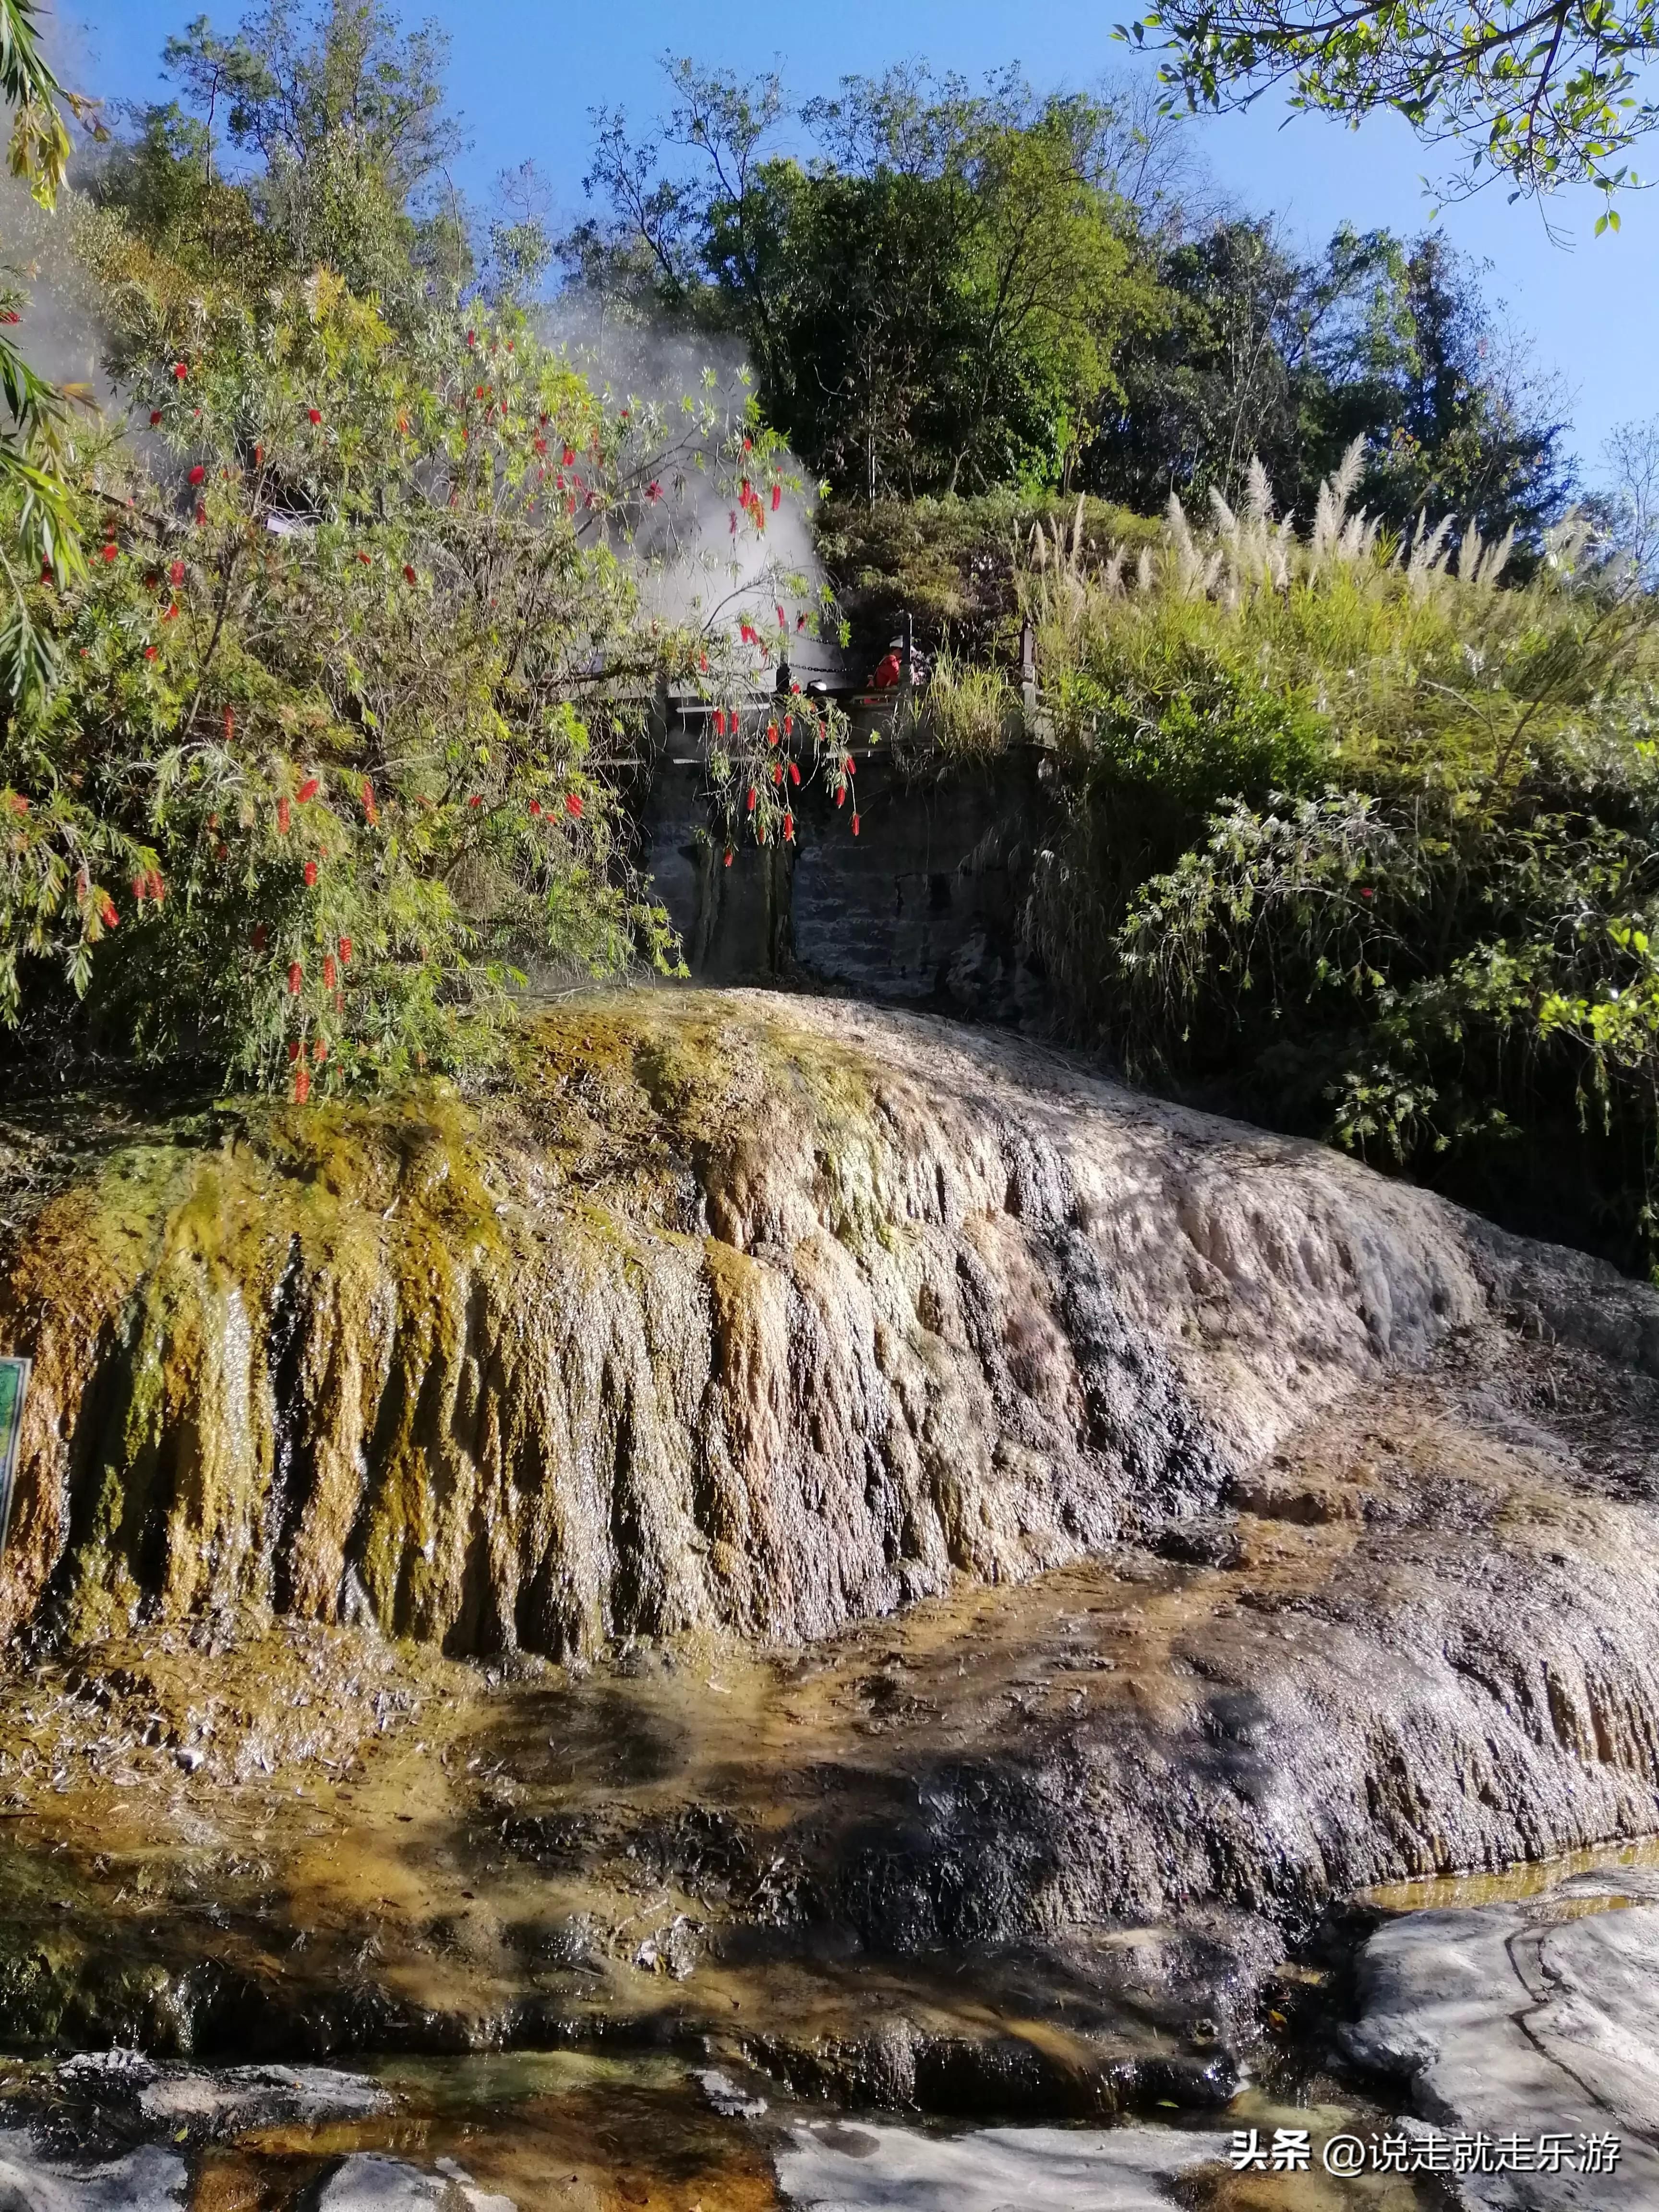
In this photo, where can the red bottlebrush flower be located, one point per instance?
(107, 912)
(112, 552)
(541, 444)
(201, 516)
(261, 937)
(743, 493)
(330, 972)
(139, 888)
(788, 725)
(362, 556)
(296, 975)
(760, 833)
(749, 444)
(472, 338)
(855, 825)
(179, 372)
(11, 315)
(477, 800)
(477, 391)
(535, 806)
(284, 817)
(728, 856)
(197, 473)
(746, 632)
(258, 457)
(313, 414)
(176, 573)
(841, 795)
(301, 1085)
(345, 952)
(795, 688)
(753, 796)
(572, 804)
(46, 571)
(155, 417)
(222, 851)
(149, 653)
(295, 1048)
(309, 789)
(320, 1051)
(777, 497)
(170, 614)
(777, 771)
(569, 457)
(794, 772)
(158, 889)
(19, 806)
(371, 812)
(719, 721)
(702, 663)
(339, 1002)
(655, 491)
(788, 827)
(409, 574)
(311, 875)
(848, 763)
(771, 733)
(1367, 892)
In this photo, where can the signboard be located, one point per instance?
(14, 1383)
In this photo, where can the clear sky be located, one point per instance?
(524, 73)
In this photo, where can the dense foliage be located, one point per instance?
(961, 291)
(343, 695)
(1367, 844)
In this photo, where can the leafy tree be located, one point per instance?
(1538, 96)
(933, 302)
(1266, 356)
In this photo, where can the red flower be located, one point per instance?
(771, 733)
(149, 653)
(535, 806)
(155, 417)
(733, 511)
(261, 937)
(841, 795)
(572, 804)
(308, 789)
(794, 772)
(138, 890)
(176, 573)
(541, 444)
(782, 622)
(728, 856)
(170, 614)
(472, 338)
(656, 490)
(788, 725)
(749, 444)
(295, 1048)
(296, 975)
(569, 457)
(409, 574)
(719, 721)
(320, 1051)
(112, 552)
(777, 771)
(788, 826)
(107, 912)
(759, 832)
(753, 796)
(313, 414)
(19, 806)
(301, 1085)
(743, 493)
(179, 371)
(258, 457)
(777, 497)
(284, 816)
(855, 825)
(371, 812)
(362, 556)
(311, 875)
(158, 889)
(477, 800)
(222, 851)
(46, 571)
(345, 952)
(197, 473)
(1367, 892)
(703, 662)
(330, 972)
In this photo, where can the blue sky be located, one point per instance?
(524, 74)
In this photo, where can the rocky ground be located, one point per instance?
(1270, 1533)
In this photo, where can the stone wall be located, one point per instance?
(924, 907)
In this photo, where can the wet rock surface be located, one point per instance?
(1518, 2020)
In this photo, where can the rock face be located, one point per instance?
(1517, 2019)
(752, 1314)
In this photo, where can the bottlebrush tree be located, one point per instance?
(366, 620)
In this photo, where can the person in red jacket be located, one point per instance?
(889, 668)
